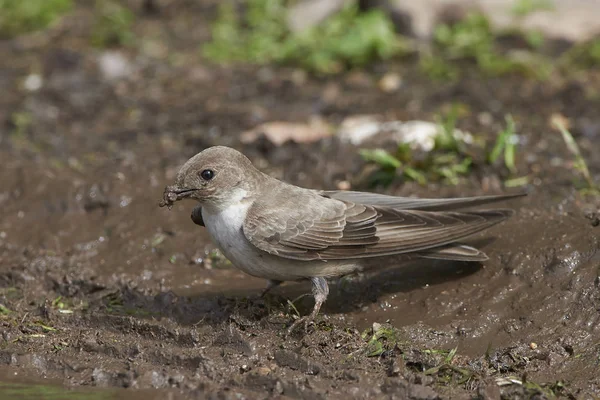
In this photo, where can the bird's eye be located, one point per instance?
(207, 174)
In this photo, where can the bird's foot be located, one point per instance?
(320, 291)
(306, 320)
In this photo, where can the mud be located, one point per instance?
(105, 292)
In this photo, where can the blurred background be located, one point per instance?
(101, 101)
(467, 86)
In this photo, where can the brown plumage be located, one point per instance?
(280, 232)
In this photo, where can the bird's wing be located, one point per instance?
(321, 228)
(408, 203)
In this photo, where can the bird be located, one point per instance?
(281, 232)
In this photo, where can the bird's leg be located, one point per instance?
(197, 215)
(272, 283)
(320, 291)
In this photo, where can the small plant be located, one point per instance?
(580, 163)
(390, 166)
(441, 366)
(584, 55)
(113, 24)
(447, 167)
(439, 69)
(4, 310)
(20, 137)
(535, 39)
(448, 161)
(349, 38)
(380, 338)
(471, 37)
(449, 137)
(21, 122)
(472, 40)
(45, 328)
(256, 37)
(506, 144)
(22, 16)
(523, 8)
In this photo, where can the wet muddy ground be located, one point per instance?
(101, 289)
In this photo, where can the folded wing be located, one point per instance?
(324, 228)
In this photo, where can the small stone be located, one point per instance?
(278, 388)
(390, 82)
(244, 368)
(533, 345)
(114, 65)
(100, 377)
(485, 118)
(299, 77)
(343, 185)
(33, 82)
(280, 132)
(331, 93)
(263, 371)
(394, 369)
(158, 380)
(358, 128)
(558, 119)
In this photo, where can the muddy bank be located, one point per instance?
(102, 289)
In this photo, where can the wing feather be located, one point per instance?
(409, 203)
(328, 228)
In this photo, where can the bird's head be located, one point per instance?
(215, 177)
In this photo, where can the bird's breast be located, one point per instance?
(225, 226)
(226, 229)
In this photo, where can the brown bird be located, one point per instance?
(281, 232)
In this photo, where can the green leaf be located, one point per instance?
(415, 175)
(580, 163)
(380, 157)
(349, 38)
(506, 144)
(450, 355)
(497, 150)
(21, 16)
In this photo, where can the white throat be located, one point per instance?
(225, 223)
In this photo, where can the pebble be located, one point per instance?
(33, 82)
(114, 65)
(390, 82)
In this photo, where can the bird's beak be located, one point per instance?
(175, 193)
(182, 193)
